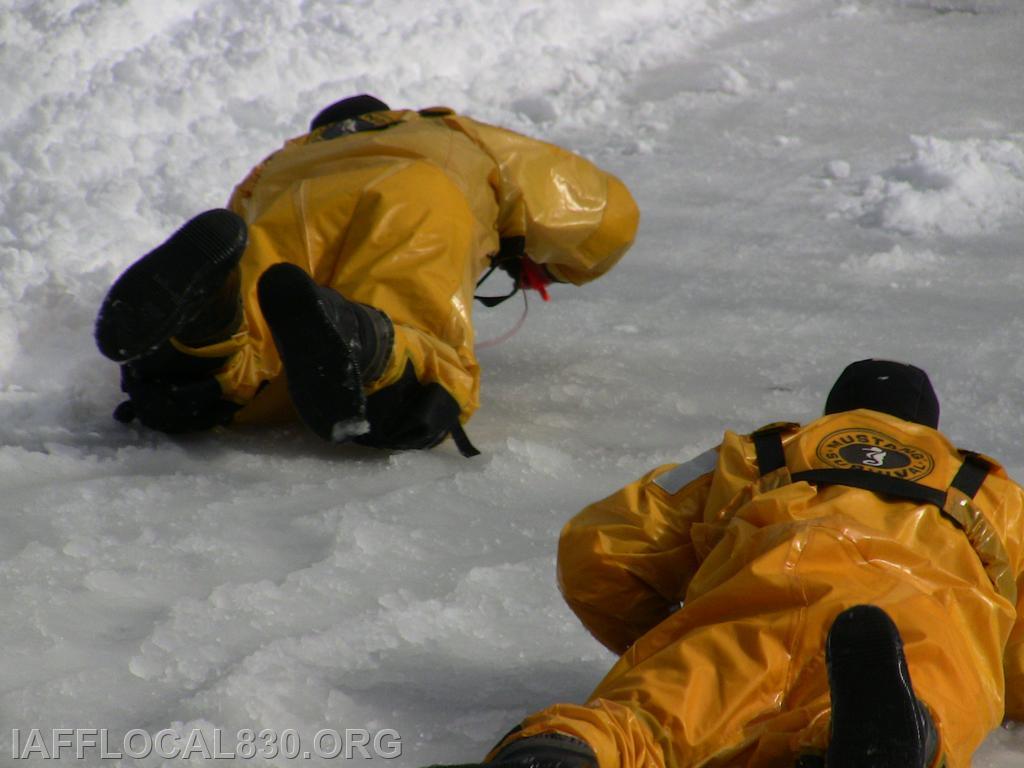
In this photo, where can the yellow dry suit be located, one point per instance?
(402, 210)
(763, 541)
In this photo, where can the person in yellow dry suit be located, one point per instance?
(342, 274)
(799, 557)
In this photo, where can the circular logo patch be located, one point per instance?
(876, 452)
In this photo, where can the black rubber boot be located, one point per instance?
(187, 288)
(329, 346)
(877, 720)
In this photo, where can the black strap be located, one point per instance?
(768, 445)
(971, 475)
(466, 448)
(510, 251)
(493, 301)
(968, 479)
(874, 482)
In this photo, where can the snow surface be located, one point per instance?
(820, 180)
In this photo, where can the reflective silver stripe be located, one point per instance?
(676, 479)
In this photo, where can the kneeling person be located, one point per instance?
(339, 280)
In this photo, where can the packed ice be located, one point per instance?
(820, 181)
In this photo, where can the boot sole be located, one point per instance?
(160, 292)
(874, 707)
(324, 380)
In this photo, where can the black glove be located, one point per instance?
(174, 393)
(408, 415)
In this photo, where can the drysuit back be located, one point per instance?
(761, 563)
(402, 210)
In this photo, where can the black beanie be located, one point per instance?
(898, 389)
(353, 106)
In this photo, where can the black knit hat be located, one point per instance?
(898, 389)
(353, 106)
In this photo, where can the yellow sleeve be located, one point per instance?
(1013, 662)
(578, 220)
(624, 563)
(1013, 657)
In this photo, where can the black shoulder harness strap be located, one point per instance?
(768, 444)
(968, 479)
(971, 475)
